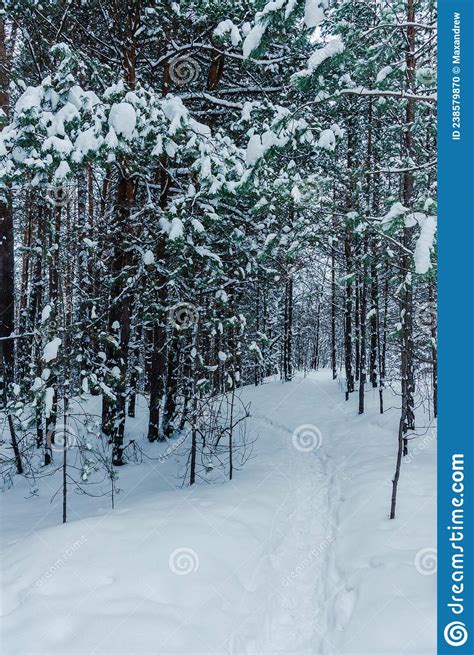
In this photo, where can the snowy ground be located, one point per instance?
(296, 555)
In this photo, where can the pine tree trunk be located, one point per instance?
(357, 329)
(408, 373)
(121, 302)
(348, 319)
(257, 367)
(333, 315)
(363, 331)
(287, 330)
(374, 309)
(7, 295)
(119, 323)
(348, 347)
(171, 391)
(54, 250)
(407, 418)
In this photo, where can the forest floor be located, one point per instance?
(295, 555)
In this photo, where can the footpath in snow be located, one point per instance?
(295, 555)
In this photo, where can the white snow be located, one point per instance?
(175, 112)
(382, 74)
(50, 351)
(327, 140)
(171, 148)
(396, 210)
(148, 258)
(66, 114)
(176, 229)
(313, 13)
(61, 146)
(85, 143)
(111, 139)
(258, 145)
(424, 245)
(252, 40)
(235, 37)
(123, 119)
(48, 401)
(46, 313)
(333, 47)
(254, 149)
(223, 27)
(62, 171)
(205, 252)
(254, 37)
(158, 149)
(296, 194)
(115, 372)
(29, 99)
(197, 225)
(295, 555)
(228, 26)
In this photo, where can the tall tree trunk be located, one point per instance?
(348, 318)
(171, 391)
(407, 418)
(363, 331)
(357, 329)
(54, 250)
(7, 295)
(407, 369)
(119, 323)
(374, 311)
(333, 315)
(288, 330)
(257, 365)
(348, 346)
(121, 302)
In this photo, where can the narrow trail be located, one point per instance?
(304, 573)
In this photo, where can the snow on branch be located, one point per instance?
(362, 91)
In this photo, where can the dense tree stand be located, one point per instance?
(195, 198)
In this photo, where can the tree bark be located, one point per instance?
(7, 286)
